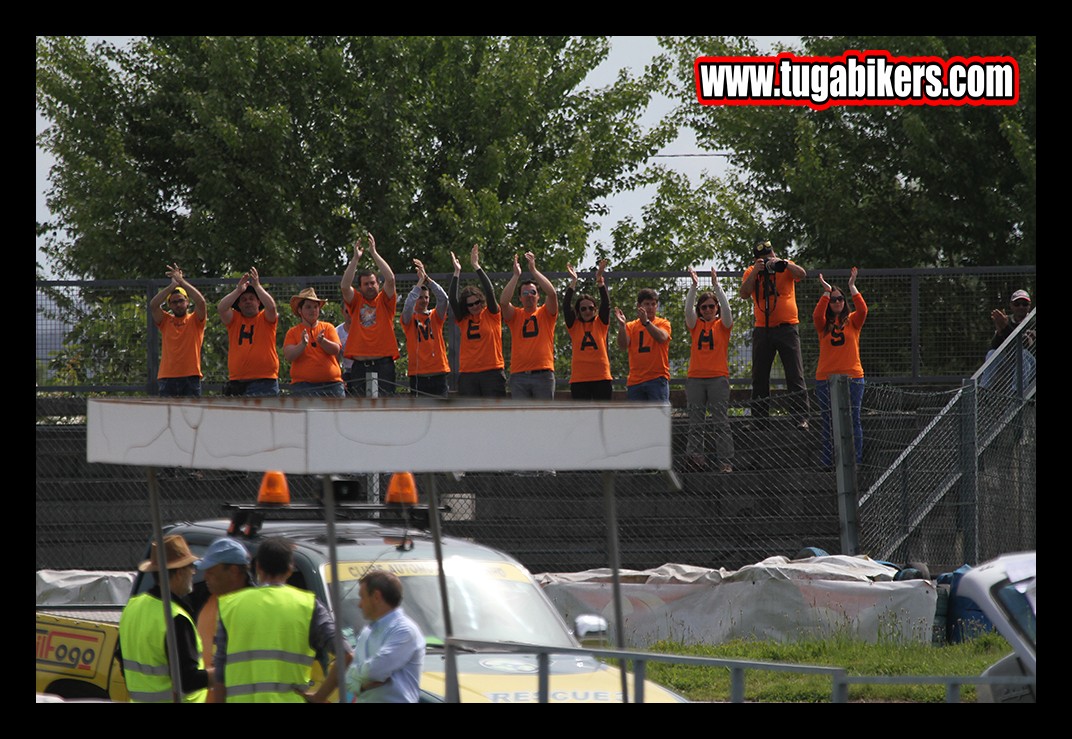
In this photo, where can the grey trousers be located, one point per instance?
(709, 395)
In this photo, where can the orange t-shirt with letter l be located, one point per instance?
(648, 359)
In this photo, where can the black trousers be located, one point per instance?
(783, 341)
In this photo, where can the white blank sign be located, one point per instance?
(360, 435)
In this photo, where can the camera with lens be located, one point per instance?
(772, 265)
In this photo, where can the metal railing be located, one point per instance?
(840, 680)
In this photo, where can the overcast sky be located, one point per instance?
(631, 52)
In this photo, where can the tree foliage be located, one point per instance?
(221, 152)
(882, 186)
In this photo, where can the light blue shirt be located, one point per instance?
(388, 651)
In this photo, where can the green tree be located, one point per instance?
(881, 186)
(221, 152)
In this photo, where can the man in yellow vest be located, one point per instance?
(143, 633)
(269, 635)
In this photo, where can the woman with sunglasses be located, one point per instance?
(839, 354)
(590, 376)
(481, 369)
(707, 385)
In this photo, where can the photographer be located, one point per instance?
(770, 284)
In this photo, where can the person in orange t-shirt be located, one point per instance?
(182, 332)
(427, 365)
(532, 333)
(312, 348)
(839, 354)
(647, 340)
(480, 357)
(590, 376)
(371, 343)
(251, 318)
(770, 284)
(707, 386)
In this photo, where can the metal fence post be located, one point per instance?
(968, 519)
(845, 461)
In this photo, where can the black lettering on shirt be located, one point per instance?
(424, 331)
(472, 332)
(837, 337)
(643, 349)
(588, 342)
(530, 328)
(243, 335)
(706, 336)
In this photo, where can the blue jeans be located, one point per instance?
(179, 387)
(856, 398)
(657, 390)
(318, 389)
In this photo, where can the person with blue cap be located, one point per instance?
(225, 568)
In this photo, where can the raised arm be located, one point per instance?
(690, 301)
(270, 313)
(604, 294)
(154, 302)
(550, 296)
(346, 284)
(223, 308)
(485, 281)
(723, 301)
(195, 296)
(623, 332)
(508, 291)
(453, 288)
(384, 267)
(567, 309)
(411, 299)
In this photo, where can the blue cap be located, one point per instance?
(224, 551)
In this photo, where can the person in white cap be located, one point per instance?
(1005, 324)
(225, 568)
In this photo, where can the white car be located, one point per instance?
(1004, 589)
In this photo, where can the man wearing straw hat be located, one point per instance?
(312, 348)
(143, 633)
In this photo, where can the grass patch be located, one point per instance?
(969, 658)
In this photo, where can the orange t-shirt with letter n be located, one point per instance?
(532, 340)
(709, 349)
(426, 351)
(648, 359)
(480, 342)
(181, 340)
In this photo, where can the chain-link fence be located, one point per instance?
(925, 326)
(947, 475)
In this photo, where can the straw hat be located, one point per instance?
(306, 294)
(178, 555)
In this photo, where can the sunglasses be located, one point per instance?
(528, 292)
(1021, 303)
(474, 303)
(708, 306)
(837, 299)
(587, 307)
